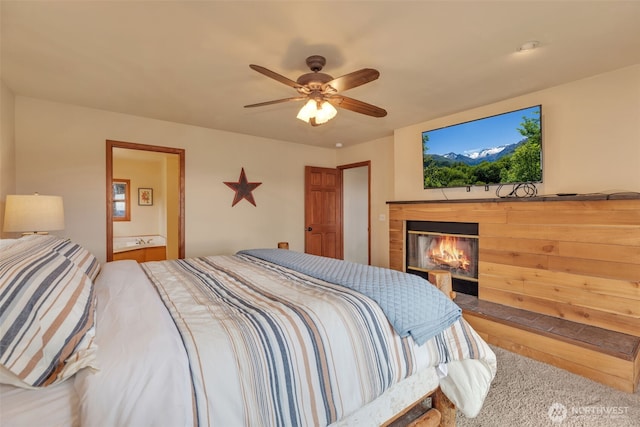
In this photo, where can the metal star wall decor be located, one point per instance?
(243, 189)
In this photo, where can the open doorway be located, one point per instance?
(356, 212)
(155, 201)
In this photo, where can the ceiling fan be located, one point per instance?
(322, 92)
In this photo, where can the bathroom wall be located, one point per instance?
(142, 173)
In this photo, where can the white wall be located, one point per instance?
(591, 144)
(7, 147)
(64, 154)
(591, 139)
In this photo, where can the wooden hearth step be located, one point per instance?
(606, 356)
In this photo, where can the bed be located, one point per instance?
(266, 337)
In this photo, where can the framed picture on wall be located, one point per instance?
(145, 196)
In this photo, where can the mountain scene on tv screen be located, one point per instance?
(516, 162)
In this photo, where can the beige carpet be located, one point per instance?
(527, 393)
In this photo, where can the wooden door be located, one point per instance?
(323, 212)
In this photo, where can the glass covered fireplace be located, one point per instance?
(451, 246)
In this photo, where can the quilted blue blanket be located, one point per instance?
(413, 306)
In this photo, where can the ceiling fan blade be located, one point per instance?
(357, 106)
(275, 76)
(351, 80)
(277, 101)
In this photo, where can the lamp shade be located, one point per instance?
(33, 213)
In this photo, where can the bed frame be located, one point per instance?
(442, 412)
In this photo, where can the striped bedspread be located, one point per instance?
(272, 347)
(412, 306)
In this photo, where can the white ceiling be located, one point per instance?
(188, 61)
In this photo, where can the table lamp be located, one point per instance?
(33, 214)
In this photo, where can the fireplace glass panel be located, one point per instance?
(457, 254)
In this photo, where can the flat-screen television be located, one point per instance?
(501, 149)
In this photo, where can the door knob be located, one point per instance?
(309, 229)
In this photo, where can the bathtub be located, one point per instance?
(130, 243)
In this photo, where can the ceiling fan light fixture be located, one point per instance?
(325, 112)
(321, 111)
(307, 111)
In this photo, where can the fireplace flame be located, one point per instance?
(447, 253)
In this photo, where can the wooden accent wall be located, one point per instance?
(570, 258)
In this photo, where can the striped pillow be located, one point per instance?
(81, 257)
(47, 307)
(78, 255)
